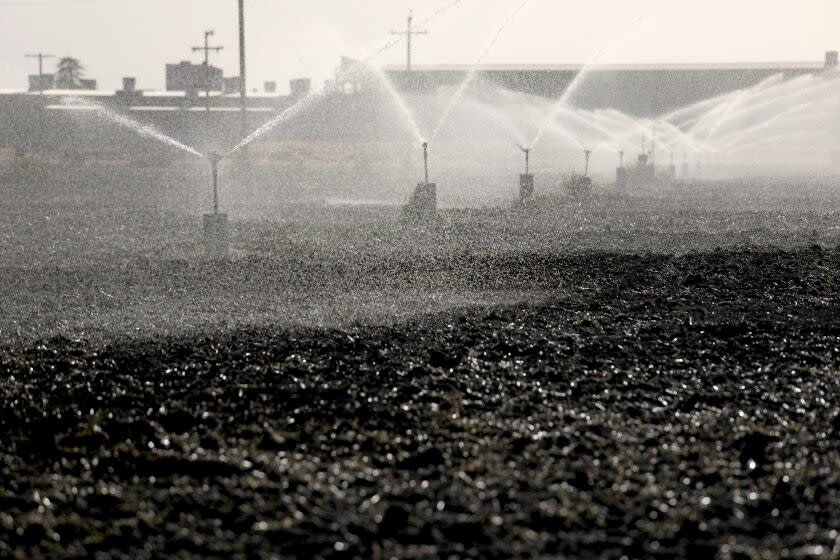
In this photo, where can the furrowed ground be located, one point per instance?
(630, 378)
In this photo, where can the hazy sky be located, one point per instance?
(305, 38)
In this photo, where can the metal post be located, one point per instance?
(215, 164)
(408, 55)
(426, 160)
(586, 171)
(409, 33)
(242, 87)
(207, 48)
(207, 68)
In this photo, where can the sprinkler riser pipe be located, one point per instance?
(621, 177)
(426, 161)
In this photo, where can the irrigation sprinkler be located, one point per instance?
(526, 180)
(586, 153)
(423, 203)
(216, 235)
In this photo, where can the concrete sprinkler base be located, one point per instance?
(216, 236)
(423, 203)
(579, 185)
(526, 187)
(621, 177)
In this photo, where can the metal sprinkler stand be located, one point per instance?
(423, 203)
(216, 235)
(526, 180)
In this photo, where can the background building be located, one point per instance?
(299, 87)
(231, 84)
(642, 90)
(40, 82)
(187, 76)
(47, 82)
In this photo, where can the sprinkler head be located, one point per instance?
(425, 145)
(214, 157)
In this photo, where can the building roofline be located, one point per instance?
(701, 66)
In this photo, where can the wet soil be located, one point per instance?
(646, 406)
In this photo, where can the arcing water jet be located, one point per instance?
(143, 130)
(473, 72)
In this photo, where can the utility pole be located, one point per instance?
(409, 33)
(207, 48)
(243, 107)
(40, 57)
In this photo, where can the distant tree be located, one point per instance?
(69, 73)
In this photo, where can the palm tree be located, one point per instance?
(69, 73)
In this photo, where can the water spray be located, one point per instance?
(473, 71)
(144, 130)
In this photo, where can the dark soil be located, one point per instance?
(661, 406)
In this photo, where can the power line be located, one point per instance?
(207, 48)
(409, 33)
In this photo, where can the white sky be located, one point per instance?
(305, 38)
